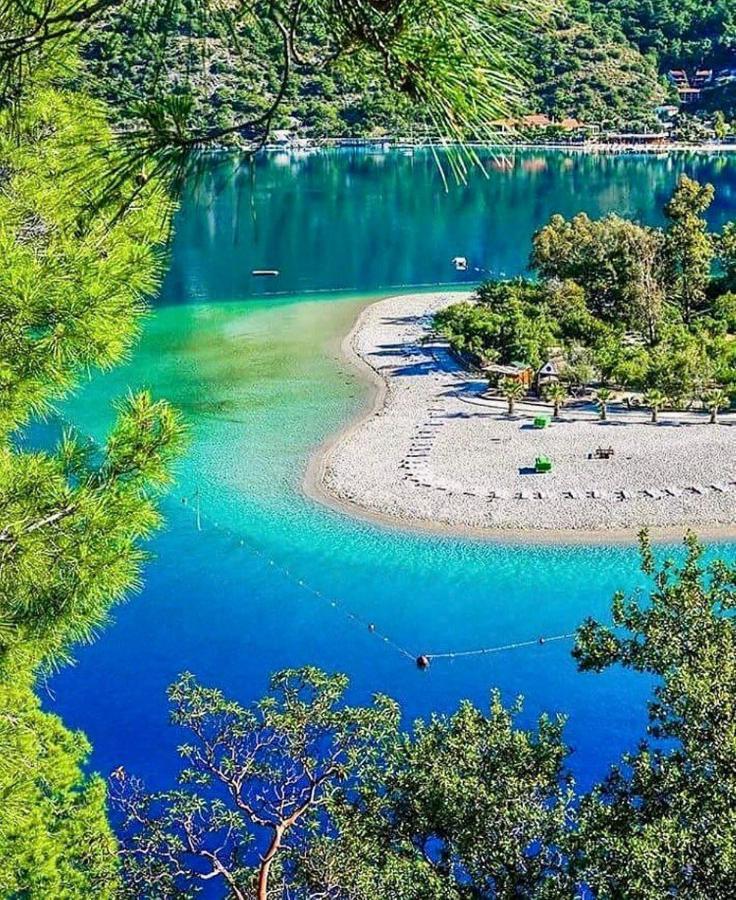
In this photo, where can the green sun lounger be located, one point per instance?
(543, 464)
(541, 421)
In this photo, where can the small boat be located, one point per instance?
(265, 273)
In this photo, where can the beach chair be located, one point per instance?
(603, 453)
(542, 464)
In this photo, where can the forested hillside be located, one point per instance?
(583, 66)
(680, 32)
(605, 61)
(128, 51)
(600, 61)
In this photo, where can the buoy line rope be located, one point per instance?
(247, 543)
(422, 660)
(337, 603)
(193, 504)
(456, 654)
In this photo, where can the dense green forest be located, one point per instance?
(352, 96)
(601, 61)
(688, 33)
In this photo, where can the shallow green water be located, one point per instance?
(261, 384)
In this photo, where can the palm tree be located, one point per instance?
(603, 397)
(556, 394)
(714, 401)
(655, 400)
(512, 390)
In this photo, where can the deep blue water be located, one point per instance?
(261, 384)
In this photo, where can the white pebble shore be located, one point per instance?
(436, 452)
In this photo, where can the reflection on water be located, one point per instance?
(357, 220)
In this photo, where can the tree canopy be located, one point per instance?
(640, 308)
(662, 823)
(73, 518)
(324, 799)
(466, 805)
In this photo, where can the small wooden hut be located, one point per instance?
(516, 371)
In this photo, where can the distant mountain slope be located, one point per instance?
(585, 68)
(680, 32)
(599, 61)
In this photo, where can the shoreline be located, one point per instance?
(319, 483)
(602, 148)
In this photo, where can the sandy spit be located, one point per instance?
(431, 451)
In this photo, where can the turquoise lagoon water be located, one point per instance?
(261, 383)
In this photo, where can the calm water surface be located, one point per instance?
(260, 381)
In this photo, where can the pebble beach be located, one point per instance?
(436, 450)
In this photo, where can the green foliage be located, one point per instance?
(714, 401)
(469, 805)
(684, 33)
(724, 312)
(584, 66)
(616, 262)
(681, 364)
(283, 763)
(727, 253)
(642, 308)
(557, 395)
(655, 400)
(603, 396)
(509, 323)
(54, 836)
(476, 774)
(689, 247)
(73, 291)
(327, 798)
(72, 519)
(512, 390)
(663, 823)
(65, 507)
